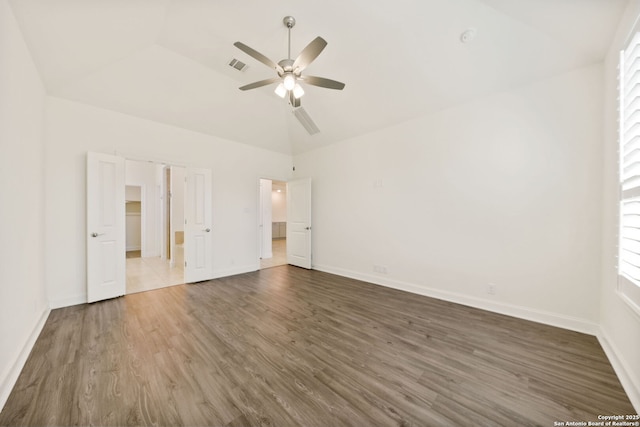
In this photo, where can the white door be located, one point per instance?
(106, 237)
(198, 236)
(299, 223)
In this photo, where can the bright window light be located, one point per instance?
(629, 140)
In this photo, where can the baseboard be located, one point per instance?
(68, 301)
(9, 381)
(527, 313)
(134, 248)
(627, 379)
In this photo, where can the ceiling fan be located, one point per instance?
(290, 70)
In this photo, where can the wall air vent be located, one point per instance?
(305, 120)
(238, 65)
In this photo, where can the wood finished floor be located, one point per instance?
(287, 347)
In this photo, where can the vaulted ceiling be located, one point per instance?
(167, 60)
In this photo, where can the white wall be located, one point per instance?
(132, 193)
(620, 326)
(503, 190)
(23, 300)
(73, 129)
(279, 203)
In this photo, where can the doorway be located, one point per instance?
(149, 265)
(108, 275)
(273, 223)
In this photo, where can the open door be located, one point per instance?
(198, 238)
(106, 237)
(299, 223)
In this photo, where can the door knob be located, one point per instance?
(207, 230)
(307, 228)
(94, 234)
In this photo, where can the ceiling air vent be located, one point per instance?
(238, 65)
(305, 120)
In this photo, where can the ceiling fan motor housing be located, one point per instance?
(287, 66)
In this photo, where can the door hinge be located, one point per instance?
(185, 263)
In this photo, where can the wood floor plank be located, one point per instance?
(290, 347)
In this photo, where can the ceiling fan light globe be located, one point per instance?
(297, 91)
(289, 81)
(280, 90)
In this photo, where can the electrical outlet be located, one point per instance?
(382, 269)
(491, 289)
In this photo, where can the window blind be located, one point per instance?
(629, 139)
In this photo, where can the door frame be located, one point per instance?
(259, 213)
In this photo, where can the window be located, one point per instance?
(629, 139)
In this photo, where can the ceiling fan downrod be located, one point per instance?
(289, 22)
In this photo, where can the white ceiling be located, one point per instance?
(166, 60)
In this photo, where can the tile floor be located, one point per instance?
(145, 274)
(279, 249)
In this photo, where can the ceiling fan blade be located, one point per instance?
(309, 53)
(322, 82)
(257, 55)
(295, 102)
(260, 83)
(305, 120)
